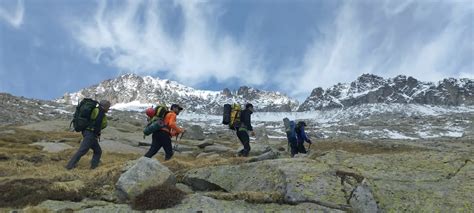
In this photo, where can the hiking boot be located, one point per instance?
(168, 157)
(95, 166)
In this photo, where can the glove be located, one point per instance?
(309, 141)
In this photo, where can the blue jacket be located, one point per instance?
(301, 134)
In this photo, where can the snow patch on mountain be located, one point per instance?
(133, 92)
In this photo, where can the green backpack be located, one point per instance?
(156, 122)
(82, 115)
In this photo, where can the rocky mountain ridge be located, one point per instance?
(130, 87)
(369, 88)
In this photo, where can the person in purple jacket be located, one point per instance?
(301, 136)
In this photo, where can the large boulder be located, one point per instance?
(296, 180)
(146, 173)
(195, 132)
(192, 203)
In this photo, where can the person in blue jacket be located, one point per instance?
(301, 137)
(292, 140)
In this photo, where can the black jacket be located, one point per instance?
(245, 120)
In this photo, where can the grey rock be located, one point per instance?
(217, 149)
(298, 180)
(362, 200)
(146, 173)
(195, 132)
(52, 147)
(265, 156)
(204, 144)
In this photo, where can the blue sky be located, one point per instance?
(50, 47)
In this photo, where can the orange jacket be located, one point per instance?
(170, 121)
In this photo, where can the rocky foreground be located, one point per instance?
(339, 174)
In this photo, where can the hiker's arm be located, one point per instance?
(98, 122)
(249, 122)
(305, 137)
(172, 124)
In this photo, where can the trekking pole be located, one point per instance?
(309, 148)
(175, 147)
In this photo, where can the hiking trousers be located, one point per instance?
(245, 140)
(301, 148)
(293, 146)
(89, 141)
(160, 139)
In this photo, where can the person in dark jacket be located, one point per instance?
(162, 137)
(243, 128)
(301, 136)
(91, 136)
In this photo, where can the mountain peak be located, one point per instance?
(129, 88)
(369, 88)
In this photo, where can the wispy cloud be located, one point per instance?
(201, 52)
(427, 40)
(12, 14)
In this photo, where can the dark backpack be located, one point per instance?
(290, 128)
(82, 115)
(226, 114)
(156, 122)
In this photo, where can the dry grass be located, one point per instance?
(160, 197)
(29, 176)
(19, 141)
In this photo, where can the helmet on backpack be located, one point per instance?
(150, 112)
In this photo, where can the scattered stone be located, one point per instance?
(146, 173)
(265, 156)
(52, 147)
(204, 144)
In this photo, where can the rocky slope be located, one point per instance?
(370, 88)
(20, 110)
(133, 88)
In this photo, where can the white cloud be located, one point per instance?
(12, 14)
(350, 47)
(417, 38)
(200, 53)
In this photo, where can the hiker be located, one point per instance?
(301, 136)
(292, 139)
(162, 137)
(242, 128)
(91, 136)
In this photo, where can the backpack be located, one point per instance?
(156, 122)
(82, 116)
(226, 114)
(290, 128)
(234, 116)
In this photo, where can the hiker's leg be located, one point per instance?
(167, 146)
(245, 140)
(155, 145)
(294, 148)
(301, 148)
(97, 154)
(88, 138)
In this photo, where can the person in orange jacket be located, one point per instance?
(162, 137)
